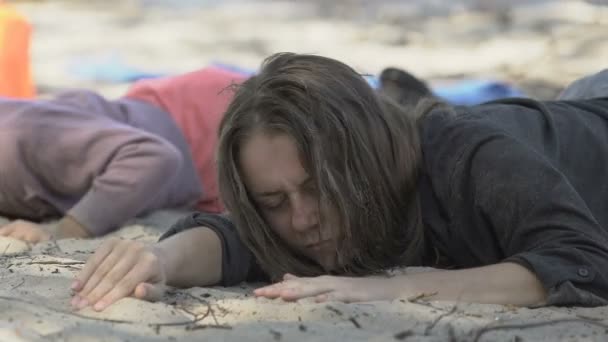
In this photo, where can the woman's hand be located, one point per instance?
(120, 268)
(503, 283)
(331, 288)
(25, 230)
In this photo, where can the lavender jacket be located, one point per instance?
(101, 162)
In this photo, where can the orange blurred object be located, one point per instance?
(15, 76)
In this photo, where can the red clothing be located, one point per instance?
(197, 102)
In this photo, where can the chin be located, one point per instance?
(328, 263)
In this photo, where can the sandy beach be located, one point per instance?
(34, 297)
(539, 46)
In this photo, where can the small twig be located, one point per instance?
(355, 323)
(194, 314)
(514, 326)
(451, 334)
(191, 324)
(584, 317)
(213, 314)
(57, 263)
(427, 304)
(72, 268)
(188, 323)
(403, 335)
(209, 308)
(276, 335)
(21, 256)
(119, 321)
(420, 296)
(16, 256)
(430, 327)
(176, 324)
(205, 326)
(56, 245)
(20, 283)
(6, 248)
(334, 310)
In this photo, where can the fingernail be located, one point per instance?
(144, 291)
(75, 285)
(83, 303)
(99, 306)
(75, 301)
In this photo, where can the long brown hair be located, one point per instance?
(361, 149)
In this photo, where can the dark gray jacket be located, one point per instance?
(513, 180)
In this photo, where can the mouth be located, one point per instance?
(318, 245)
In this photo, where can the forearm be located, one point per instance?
(192, 258)
(505, 283)
(137, 179)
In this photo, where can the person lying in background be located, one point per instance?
(328, 185)
(403, 87)
(94, 163)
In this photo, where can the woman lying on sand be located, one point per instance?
(328, 184)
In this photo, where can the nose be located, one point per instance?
(304, 213)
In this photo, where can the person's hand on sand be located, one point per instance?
(27, 231)
(330, 288)
(119, 268)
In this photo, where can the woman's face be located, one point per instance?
(288, 198)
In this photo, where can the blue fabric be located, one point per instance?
(468, 91)
(110, 69)
(475, 91)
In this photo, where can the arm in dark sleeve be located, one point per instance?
(540, 221)
(238, 263)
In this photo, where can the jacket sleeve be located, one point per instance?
(540, 221)
(128, 169)
(238, 263)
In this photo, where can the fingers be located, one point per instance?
(107, 266)
(127, 286)
(294, 288)
(7, 230)
(117, 270)
(270, 292)
(335, 296)
(288, 276)
(24, 230)
(32, 231)
(93, 263)
(112, 281)
(322, 298)
(104, 267)
(149, 292)
(32, 236)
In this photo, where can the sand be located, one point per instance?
(34, 305)
(540, 47)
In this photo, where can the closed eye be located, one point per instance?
(272, 204)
